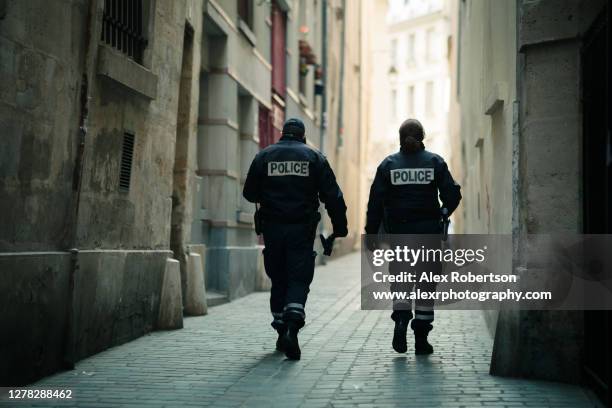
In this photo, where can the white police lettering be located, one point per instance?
(411, 176)
(288, 168)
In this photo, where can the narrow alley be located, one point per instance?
(227, 359)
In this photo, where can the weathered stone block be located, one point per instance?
(171, 299)
(195, 301)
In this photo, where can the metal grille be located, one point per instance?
(122, 27)
(127, 155)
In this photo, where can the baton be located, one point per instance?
(445, 223)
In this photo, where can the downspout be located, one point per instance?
(323, 123)
(69, 353)
(340, 122)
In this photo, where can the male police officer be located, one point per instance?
(404, 198)
(287, 179)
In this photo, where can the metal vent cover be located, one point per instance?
(127, 157)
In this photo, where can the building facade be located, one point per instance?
(418, 69)
(130, 127)
(410, 78)
(531, 87)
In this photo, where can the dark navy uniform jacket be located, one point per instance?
(406, 188)
(288, 179)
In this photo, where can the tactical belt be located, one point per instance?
(311, 218)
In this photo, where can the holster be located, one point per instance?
(258, 221)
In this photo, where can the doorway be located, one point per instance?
(597, 154)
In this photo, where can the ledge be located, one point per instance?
(495, 98)
(244, 217)
(246, 31)
(118, 67)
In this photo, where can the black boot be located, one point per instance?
(280, 328)
(421, 329)
(279, 341)
(290, 344)
(399, 336)
(422, 346)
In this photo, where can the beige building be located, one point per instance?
(529, 98)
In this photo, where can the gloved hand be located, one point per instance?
(327, 244)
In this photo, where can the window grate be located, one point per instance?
(122, 27)
(127, 156)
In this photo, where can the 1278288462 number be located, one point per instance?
(37, 393)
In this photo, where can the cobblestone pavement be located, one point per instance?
(227, 359)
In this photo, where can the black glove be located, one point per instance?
(327, 244)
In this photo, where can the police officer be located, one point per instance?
(404, 200)
(287, 179)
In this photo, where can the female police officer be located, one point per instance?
(404, 198)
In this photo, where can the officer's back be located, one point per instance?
(288, 178)
(287, 198)
(405, 190)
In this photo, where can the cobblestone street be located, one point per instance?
(227, 359)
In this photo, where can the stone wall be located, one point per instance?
(519, 93)
(65, 88)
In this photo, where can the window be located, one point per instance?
(394, 52)
(394, 104)
(410, 101)
(429, 98)
(410, 50)
(122, 27)
(430, 44)
(266, 132)
(245, 11)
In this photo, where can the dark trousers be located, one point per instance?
(289, 260)
(423, 309)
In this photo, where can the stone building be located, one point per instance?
(128, 129)
(531, 87)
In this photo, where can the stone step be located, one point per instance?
(215, 298)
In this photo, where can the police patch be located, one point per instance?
(412, 176)
(288, 168)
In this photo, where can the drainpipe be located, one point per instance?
(323, 124)
(69, 354)
(340, 127)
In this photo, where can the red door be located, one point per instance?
(279, 60)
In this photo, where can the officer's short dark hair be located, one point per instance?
(411, 134)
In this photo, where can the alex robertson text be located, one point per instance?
(453, 277)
